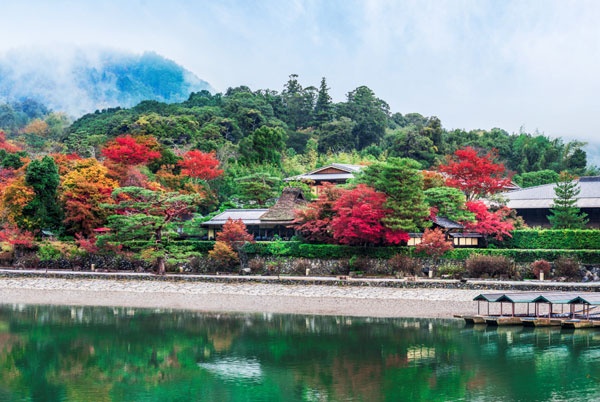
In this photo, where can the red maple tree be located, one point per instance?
(234, 234)
(477, 176)
(487, 222)
(357, 220)
(19, 239)
(128, 150)
(314, 221)
(7, 145)
(200, 165)
(434, 243)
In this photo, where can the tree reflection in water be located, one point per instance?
(115, 354)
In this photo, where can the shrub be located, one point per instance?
(540, 266)
(451, 269)
(47, 252)
(580, 239)
(434, 243)
(404, 264)
(491, 266)
(567, 267)
(223, 255)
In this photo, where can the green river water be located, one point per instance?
(103, 354)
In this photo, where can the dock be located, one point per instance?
(569, 310)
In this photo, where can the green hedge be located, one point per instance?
(587, 239)
(328, 251)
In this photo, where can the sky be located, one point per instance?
(530, 65)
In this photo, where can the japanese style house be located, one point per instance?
(533, 203)
(454, 232)
(265, 223)
(335, 173)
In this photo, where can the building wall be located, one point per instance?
(539, 217)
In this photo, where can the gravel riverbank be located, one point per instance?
(241, 297)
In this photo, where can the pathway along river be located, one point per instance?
(114, 354)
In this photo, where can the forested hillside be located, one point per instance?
(78, 81)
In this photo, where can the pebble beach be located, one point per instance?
(241, 297)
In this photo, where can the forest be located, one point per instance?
(143, 169)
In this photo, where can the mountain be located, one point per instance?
(79, 81)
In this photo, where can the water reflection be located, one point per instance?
(113, 354)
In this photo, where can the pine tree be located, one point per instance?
(564, 213)
(323, 107)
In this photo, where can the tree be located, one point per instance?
(323, 108)
(489, 223)
(537, 178)
(19, 239)
(235, 234)
(337, 136)
(478, 176)
(144, 222)
(14, 197)
(370, 114)
(258, 188)
(448, 202)
(223, 254)
(314, 220)
(200, 165)
(434, 243)
(400, 181)
(84, 191)
(564, 213)
(43, 212)
(358, 218)
(130, 151)
(265, 145)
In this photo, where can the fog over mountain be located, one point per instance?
(78, 81)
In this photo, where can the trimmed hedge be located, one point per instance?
(586, 239)
(329, 251)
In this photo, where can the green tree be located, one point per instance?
(145, 223)
(44, 211)
(337, 136)
(537, 178)
(400, 181)
(370, 114)
(258, 188)
(564, 213)
(265, 145)
(323, 108)
(449, 202)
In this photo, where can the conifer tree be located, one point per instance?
(564, 213)
(323, 107)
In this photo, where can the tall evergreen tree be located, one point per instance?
(564, 213)
(43, 212)
(323, 107)
(400, 181)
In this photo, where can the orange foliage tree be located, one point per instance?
(235, 234)
(200, 165)
(434, 243)
(84, 190)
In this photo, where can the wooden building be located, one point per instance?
(263, 223)
(454, 232)
(533, 203)
(335, 173)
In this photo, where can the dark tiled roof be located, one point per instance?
(283, 210)
(248, 216)
(447, 223)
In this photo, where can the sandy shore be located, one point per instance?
(246, 297)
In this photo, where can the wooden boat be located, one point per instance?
(540, 322)
(574, 324)
(502, 321)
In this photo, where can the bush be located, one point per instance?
(567, 267)
(540, 266)
(401, 263)
(223, 255)
(490, 266)
(451, 269)
(257, 265)
(574, 239)
(47, 252)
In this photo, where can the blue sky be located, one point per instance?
(474, 64)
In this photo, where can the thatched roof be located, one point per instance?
(292, 198)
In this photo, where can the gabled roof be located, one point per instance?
(543, 196)
(348, 169)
